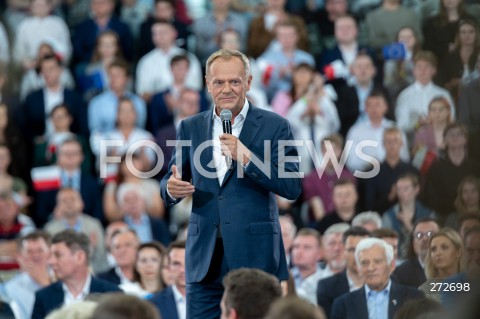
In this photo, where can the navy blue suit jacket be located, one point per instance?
(86, 34)
(409, 273)
(165, 303)
(109, 276)
(164, 134)
(90, 191)
(353, 305)
(245, 208)
(160, 231)
(51, 297)
(33, 118)
(330, 289)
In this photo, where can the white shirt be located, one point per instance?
(51, 99)
(123, 279)
(413, 101)
(180, 302)
(364, 131)
(70, 298)
(218, 158)
(154, 73)
(308, 288)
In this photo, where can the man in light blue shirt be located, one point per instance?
(102, 110)
(380, 297)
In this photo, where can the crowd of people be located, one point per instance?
(380, 94)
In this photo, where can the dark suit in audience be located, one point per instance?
(409, 273)
(331, 288)
(165, 303)
(110, 276)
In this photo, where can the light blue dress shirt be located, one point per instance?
(377, 302)
(143, 229)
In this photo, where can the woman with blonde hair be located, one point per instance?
(445, 258)
(467, 201)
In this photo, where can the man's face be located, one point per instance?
(375, 107)
(336, 7)
(227, 83)
(40, 8)
(363, 69)
(101, 8)
(34, 252)
(163, 35)
(287, 37)
(392, 141)
(164, 11)
(421, 237)
(70, 156)
(349, 252)
(374, 268)
(118, 78)
(69, 203)
(423, 72)
(189, 103)
(472, 249)
(51, 72)
(333, 250)
(406, 191)
(345, 30)
(180, 70)
(455, 137)
(63, 261)
(177, 266)
(133, 204)
(124, 249)
(344, 197)
(306, 252)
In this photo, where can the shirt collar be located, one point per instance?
(420, 86)
(85, 290)
(240, 117)
(143, 219)
(177, 295)
(371, 292)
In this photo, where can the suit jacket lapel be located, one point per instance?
(250, 129)
(394, 300)
(170, 303)
(360, 304)
(205, 132)
(58, 296)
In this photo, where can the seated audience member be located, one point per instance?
(412, 103)
(466, 202)
(318, 185)
(420, 309)
(163, 10)
(79, 310)
(163, 106)
(289, 231)
(171, 302)
(33, 80)
(306, 255)
(69, 160)
(462, 60)
(262, 28)
(85, 34)
(147, 275)
(333, 257)
(133, 13)
(124, 248)
(153, 70)
(403, 215)
(398, 74)
(467, 222)
(331, 288)
(102, 109)
(46, 146)
(374, 129)
(32, 256)
(188, 104)
(94, 79)
(380, 296)
(128, 134)
(278, 61)
(249, 293)
(411, 271)
(468, 112)
(131, 201)
(40, 26)
(208, 28)
(390, 237)
(352, 97)
(13, 225)
(345, 199)
(70, 263)
(429, 142)
(368, 220)
(445, 258)
(446, 173)
(110, 230)
(39, 104)
(292, 307)
(12, 183)
(68, 214)
(382, 24)
(380, 193)
(125, 307)
(151, 189)
(345, 49)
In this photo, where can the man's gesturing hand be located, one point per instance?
(232, 147)
(178, 188)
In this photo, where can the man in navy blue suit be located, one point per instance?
(380, 297)
(70, 262)
(171, 301)
(234, 220)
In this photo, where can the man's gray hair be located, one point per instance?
(368, 243)
(367, 217)
(125, 188)
(338, 228)
(228, 54)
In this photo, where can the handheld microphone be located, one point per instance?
(226, 118)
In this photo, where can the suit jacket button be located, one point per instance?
(220, 197)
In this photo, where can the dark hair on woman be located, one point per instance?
(306, 66)
(60, 106)
(96, 53)
(443, 14)
(162, 251)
